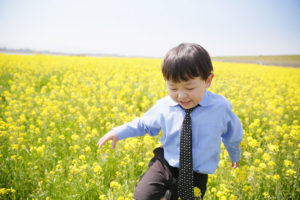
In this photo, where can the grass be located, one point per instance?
(282, 60)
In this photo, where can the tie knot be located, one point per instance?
(190, 110)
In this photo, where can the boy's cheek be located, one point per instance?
(173, 96)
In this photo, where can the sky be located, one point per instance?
(149, 28)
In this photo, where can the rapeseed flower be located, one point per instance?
(276, 177)
(115, 185)
(290, 172)
(55, 108)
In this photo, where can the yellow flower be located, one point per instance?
(266, 156)
(222, 163)
(82, 157)
(83, 174)
(288, 163)
(252, 142)
(266, 195)
(62, 137)
(247, 188)
(74, 170)
(273, 148)
(259, 150)
(247, 154)
(96, 168)
(49, 139)
(213, 189)
(256, 161)
(130, 195)
(87, 149)
(271, 164)
(223, 198)
(220, 194)
(41, 149)
(75, 137)
(102, 197)
(94, 132)
(197, 192)
(262, 165)
(290, 172)
(115, 185)
(14, 146)
(13, 157)
(84, 167)
(3, 191)
(276, 177)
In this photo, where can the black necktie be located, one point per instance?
(185, 177)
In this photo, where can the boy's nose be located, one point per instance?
(181, 95)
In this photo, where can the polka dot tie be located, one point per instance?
(185, 177)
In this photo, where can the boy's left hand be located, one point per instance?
(234, 165)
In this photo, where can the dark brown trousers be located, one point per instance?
(161, 177)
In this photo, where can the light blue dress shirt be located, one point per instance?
(212, 122)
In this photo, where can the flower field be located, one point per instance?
(54, 109)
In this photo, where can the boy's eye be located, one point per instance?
(189, 88)
(173, 89)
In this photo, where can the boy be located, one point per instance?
(193, 121)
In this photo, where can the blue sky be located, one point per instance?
(152, 27)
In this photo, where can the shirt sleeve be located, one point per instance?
(233, 135)
(148, 123)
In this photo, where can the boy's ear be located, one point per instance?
(209, 80)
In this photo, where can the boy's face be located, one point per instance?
(188, 93)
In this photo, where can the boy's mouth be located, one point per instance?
(184, 103)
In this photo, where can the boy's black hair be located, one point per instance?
(186, 61)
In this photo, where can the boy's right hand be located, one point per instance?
(111, 135)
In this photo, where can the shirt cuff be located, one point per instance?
(122, 132)
(235, 156)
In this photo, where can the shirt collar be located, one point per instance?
(204, 102)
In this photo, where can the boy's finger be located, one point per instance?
(235, 165)
(101, 142)
(113, 145)
(99, 145)
(107, 137)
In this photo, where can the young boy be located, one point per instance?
(193, 121)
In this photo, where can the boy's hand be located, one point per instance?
(234, 165)
(111, 135)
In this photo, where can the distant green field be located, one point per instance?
(283, 60)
